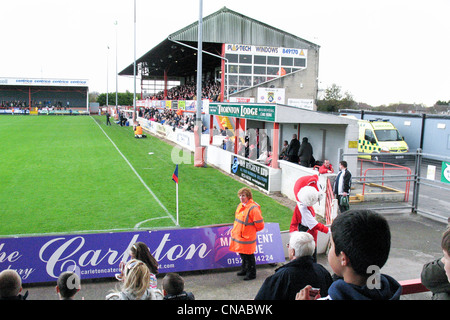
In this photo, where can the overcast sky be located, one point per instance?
(382, 52)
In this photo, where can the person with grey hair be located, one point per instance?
(299, 271)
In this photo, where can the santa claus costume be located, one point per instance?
(307, 193)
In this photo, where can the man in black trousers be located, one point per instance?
(292, 150)
(342, 185)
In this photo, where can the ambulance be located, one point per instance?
(379, 137)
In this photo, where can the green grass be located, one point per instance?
(62, 174)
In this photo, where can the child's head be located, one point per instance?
(445, 244)
(140, 251)
(173, 284)
(68, 284)
(10, 283)
(364, 237)
(136, 277)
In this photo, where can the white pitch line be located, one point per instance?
(138, 225)
(137, 174)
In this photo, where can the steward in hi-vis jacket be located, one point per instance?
(248, 221)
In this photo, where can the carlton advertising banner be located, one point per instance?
(43, 259)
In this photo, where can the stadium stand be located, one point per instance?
(210, 90)
(28, 94)
(169, 117)
(217, 286)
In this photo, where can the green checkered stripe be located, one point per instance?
(367, 147)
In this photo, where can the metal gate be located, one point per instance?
(423, 179)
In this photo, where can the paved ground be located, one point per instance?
(415, 241)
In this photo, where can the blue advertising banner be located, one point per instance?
(43, 259)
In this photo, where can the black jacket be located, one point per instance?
(289, 279)
(347, 182)
(182, 296)
(18, 297)
(305, 152)
(434, 278)
(293, 147)
(292, 150)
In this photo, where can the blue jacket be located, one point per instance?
(390, 290)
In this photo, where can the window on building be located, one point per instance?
(259, 70)
(287, 61)
(233, 58)
(259, 59)
(258, 80)
(299, 62)
(245, 82)
(245, 58)
(274, 61)
(272, 70)
(232, 68)
(245, 69)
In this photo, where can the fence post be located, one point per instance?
(340, 155)
(418, 162)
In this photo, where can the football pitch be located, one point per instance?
(74, 174)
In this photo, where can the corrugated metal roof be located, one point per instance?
(223, 26)
(227, 26)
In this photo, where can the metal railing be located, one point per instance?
(420, 181)
(329, 203)
(391, 167)
(412, 174)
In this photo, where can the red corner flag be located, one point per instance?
(175, 175)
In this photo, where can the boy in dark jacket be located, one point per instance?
(360, 245)
(173, 288)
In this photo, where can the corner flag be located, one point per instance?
(175, 178)
(175, 175)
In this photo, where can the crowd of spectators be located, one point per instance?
(188, 91)
(174, 118)
(4, 104)
(300, 278)
(137, 281)
(40, 104)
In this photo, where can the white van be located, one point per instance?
(380, 137)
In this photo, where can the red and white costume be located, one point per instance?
(307, 194)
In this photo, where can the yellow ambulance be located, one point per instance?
(380, 137)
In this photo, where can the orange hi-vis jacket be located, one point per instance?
(138, 130)
(248, 220)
